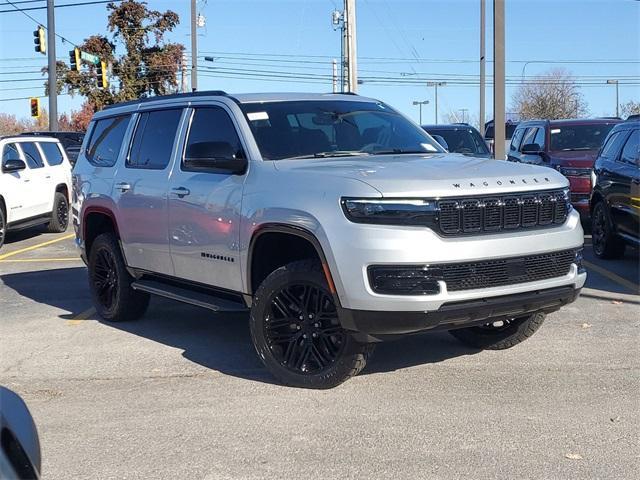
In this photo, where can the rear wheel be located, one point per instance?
(502, 334)
(110, 282)
(606, 244)
(3, 227)
(60, 214)
(296, 331)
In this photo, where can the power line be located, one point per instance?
(78, 4)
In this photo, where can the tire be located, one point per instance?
(606, 244)
(59, 215)
(3, 227)
(110, 283)
(296, 331)
(500, 337)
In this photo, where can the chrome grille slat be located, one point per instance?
(475, 215)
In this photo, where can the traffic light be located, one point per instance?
(101, 71)
(74, 59)
(40, 40)
(35, 107)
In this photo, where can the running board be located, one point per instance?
(185, 295)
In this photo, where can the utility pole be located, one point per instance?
(194, 47)
(335, 75)
(183, 68)
(482, 63)
(617, 84)
(53, 83)
(436, 85)
(498, 80)
(350, 41)
(463, 111)
(420, 103)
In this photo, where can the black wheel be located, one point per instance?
(606, 244)
(296, 330)
(60, 214)
(3, 227)
(501, 334)
(110, 283)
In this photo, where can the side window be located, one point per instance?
(32, 155)
(212, 125)
(153, 139)
(516, 139)
(52, 153)
(539, 139)
(106, 140)
(10, 152)
(612, 146)
(631, 150)
(529, 136)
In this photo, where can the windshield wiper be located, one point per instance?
(576, 149)
(397, 151)
(336, 153)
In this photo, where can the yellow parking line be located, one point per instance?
(612, 276)
(27, 260)
(78, 319)
(34, 247)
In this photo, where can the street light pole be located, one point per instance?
(617, 84)
(436, 85)
(51, 69)
(194, 47)
(482, 64)
(499, 116)
(420, 103)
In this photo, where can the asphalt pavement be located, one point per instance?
(181, 393)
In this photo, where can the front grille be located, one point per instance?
(505, 271)
(467, 216)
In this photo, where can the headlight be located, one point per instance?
(566, 196)
(390, 212)
(574, 172)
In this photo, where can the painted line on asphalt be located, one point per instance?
(34, 247)
(37, 260)
(634, 287)
(81, 317)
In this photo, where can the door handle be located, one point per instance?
(180, 191)
(123, 187)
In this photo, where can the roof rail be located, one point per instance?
(633, 118)
(203, 93)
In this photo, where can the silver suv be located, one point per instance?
(336, 221)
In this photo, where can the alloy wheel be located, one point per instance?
(105, 278)
(62, 213)
(598, 229)
(302, 329)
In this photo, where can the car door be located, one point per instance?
(140, 190)
(205, 205)
(14, 185)
(37, 186)
(625, 205)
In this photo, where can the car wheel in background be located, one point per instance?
(502, 334)
(110, 283)
(606, 244)
(3, 227)
(60, 214)
(296, 330)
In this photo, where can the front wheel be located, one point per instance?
(60, 214)
(502, 334)
(3, 227)
(606, 244)
(296, 331)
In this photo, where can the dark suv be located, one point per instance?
(459, 138)
(615, 202)
(569, 146)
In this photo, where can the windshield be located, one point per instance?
(579, 137)
(462, 140)
(328, 128)
(509, 128)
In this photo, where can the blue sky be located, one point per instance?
(398, 41)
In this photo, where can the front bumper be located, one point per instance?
(376, 325)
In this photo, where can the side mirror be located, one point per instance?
(215, 156)
(532, 149)
(440, 139)
(13, 165)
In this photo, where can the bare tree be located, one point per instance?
(550, 96)
(630, 108)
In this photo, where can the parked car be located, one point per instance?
(569, 146)
(20, 457)
(333, 219)
(489, 134)
(70, 141)
(35, 182)
(615, 201)
(459, 138)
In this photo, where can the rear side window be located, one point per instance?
(631, 150)
(612, 146)
(106, 140)
(10, 152)
(153, 141)
(52, 153)
(32, 155)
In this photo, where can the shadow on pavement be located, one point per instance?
(216, 341)
(27, 233)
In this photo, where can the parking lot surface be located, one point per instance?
(181, 393)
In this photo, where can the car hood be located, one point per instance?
(578, 159)
(436, 175)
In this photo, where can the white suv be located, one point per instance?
(35, 181)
